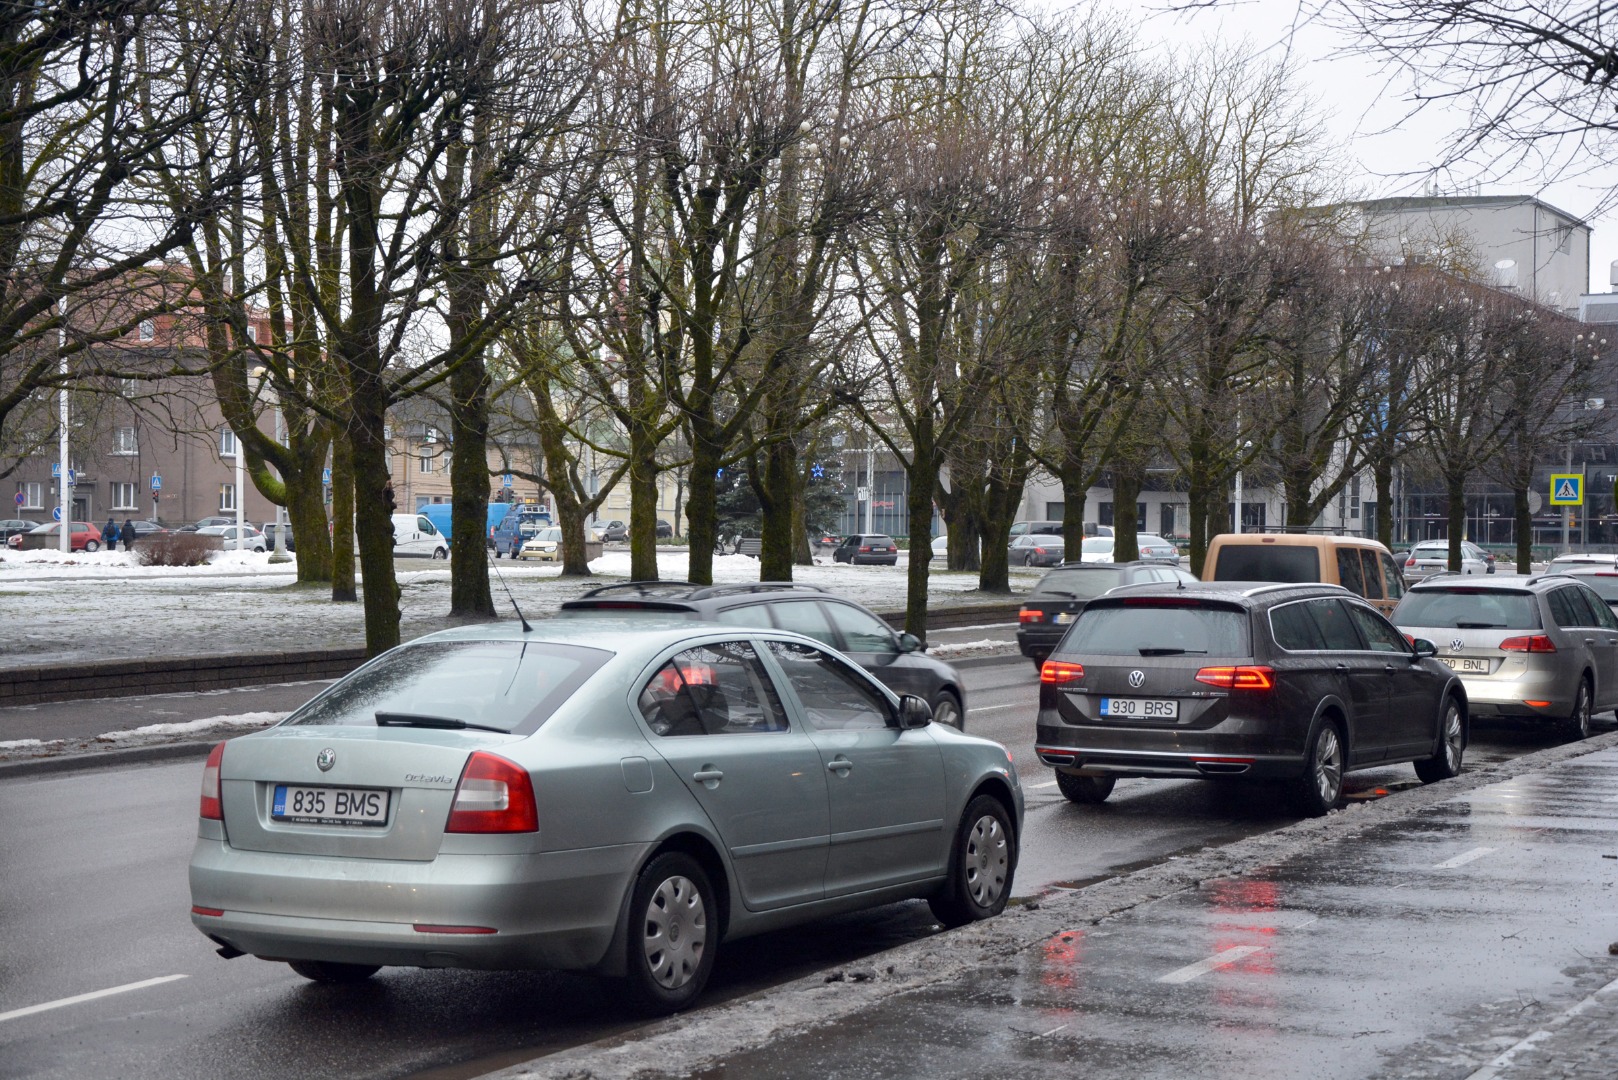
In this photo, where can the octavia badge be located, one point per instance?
(326, 759)
(1137, 678)
(1456, 644)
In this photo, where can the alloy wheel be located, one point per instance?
(676, 932)
(1328, 764)
(1453, 741)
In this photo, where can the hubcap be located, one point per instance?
(947, 713)
(985, 861)
(1452, 738)
(1328, 764)
(1583, 706)
(676, 932)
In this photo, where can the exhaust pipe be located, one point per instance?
(226, 949)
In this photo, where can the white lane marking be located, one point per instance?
(1223, 958)
(1052, 1031)
(1613, 799)
(1463, 858)
(77, 998)
(1018, 705)
(1493, 1068)
(1048, 783)
(979, 626)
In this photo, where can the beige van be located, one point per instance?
(1361, 566)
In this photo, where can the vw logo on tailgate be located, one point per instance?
(1137, 679)
(1456, 645)
(326, 759)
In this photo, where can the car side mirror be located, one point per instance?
(914, 712)
(1425, 648)
(911, 643)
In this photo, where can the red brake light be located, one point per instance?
(1238, 678)
(494, 796)
(210, 785)
(1536, 643)
(1057, 672)
(1027, 615)
(1410, 561)
(1039, 551)
(866, 550)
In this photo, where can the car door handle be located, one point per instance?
(1339, 667)
(1389, 668)
(840, 765)
(1589, 641)
(703, 776)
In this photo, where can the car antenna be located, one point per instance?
(525, 627)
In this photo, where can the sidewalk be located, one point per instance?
(1456, 931)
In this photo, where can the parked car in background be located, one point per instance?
(269, 528)
(544, 546)
(1024, 528)
(415, 536)
(1362, 566)
(82, 536)
(1096, 549)
(1583, 558)
(1543, 647)
(1152, 548)
(867, 549)
(206, 523)
(665, 531)
(411, 813)
(1061, 594)
(1604, 580)
(515, 528)
(615, 532)
(1432, 557)
(252, 539)
(899, 661)
(1036, 549)
(1299, 683)
(12, 526)
(143, 529)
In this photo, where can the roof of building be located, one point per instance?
(1459, 202)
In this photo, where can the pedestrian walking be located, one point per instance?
(128, 534)
(109, 534)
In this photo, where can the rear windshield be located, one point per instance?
(1079, 584)
(1099, 543)
(1468, 609)
(504, 685)
(1267, 562)
(1605, 585)
(1158, 629)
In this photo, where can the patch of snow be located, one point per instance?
(956, 647)
(23, 744)
(188, 727)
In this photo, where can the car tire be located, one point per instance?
(982, 864)
(440, 553)
(1320, 788)
(672, 933)
(1085, 790)
(947, 710)
(91, 545)
(1039, 665)
(1446, 764)
(1027, 560)
(1577, 725)
(325, 971)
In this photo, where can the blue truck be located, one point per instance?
(508, 526)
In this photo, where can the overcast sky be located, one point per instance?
(1365, 112)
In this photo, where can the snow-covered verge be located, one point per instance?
(212, 727)
(102, 606)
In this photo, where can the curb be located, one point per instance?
(106, 759)
(685, 1045)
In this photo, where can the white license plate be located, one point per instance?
(329, 805)
(1140, 708)
(1465, 663)
(1064, 617)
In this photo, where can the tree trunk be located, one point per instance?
(342, 520)
(1126, 485)
(1198, 496)
(642, 505)
(570, 519)
(1382, 474)
(924, 466)
(801, 555)
(778, 495)
(1525, 530)
(372, 520)
(1455, 488)
(1075, 492)
(469, 596)
(702, 507)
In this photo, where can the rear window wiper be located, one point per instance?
(447, 723)
(1172, 652)
(1480, 626)
(1053, 592)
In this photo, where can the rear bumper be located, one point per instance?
(874, 560)
(1231, 749)
(1038, 639)
(1496, 696)
(554, 910)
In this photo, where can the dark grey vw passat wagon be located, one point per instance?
(1296, 682)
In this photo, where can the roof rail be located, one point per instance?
(708, 591)
(1278, 586)
(1305, 530)
(642, 588)
(1546, 574)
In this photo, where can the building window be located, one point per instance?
(148, 330)
(227, 496)
(33, 496)
(1354, 499)
(431, 436)
(130, 387)
(123, 497)
(227, 442)
(426, 461)
(123, 440)
(252, 333)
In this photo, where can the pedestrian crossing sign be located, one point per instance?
(1567, 489)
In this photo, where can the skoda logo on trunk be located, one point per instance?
(326, 759)
(1136, 678)
(1456, 644)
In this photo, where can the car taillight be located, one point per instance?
(1028, 614)
(210, 785)
(1057, 672)
(1536, 643)
(1238, 678)
(1410, 561)
(494, 796)
(866, 550)
(1039, 551)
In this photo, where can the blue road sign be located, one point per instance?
(72, 478)
(56, 514)
(157, 482)
(505, 481)
(325, 477)
(1567, 489)
(56, 469)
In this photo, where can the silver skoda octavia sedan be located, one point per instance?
(600, 795)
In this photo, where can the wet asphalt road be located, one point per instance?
(93, 896)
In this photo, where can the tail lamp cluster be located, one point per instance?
(1534, 643)
(1238, 678)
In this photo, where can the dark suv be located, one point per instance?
(872, 549)
(1294, 682)
(897, 660)
(1063, 592)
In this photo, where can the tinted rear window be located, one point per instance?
(508, 685)
(1468, 609)
(1267, 562)
(1077, 584)
(1605, 585)
(1158, 629)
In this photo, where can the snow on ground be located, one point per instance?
(212, 727)
(57, 608)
